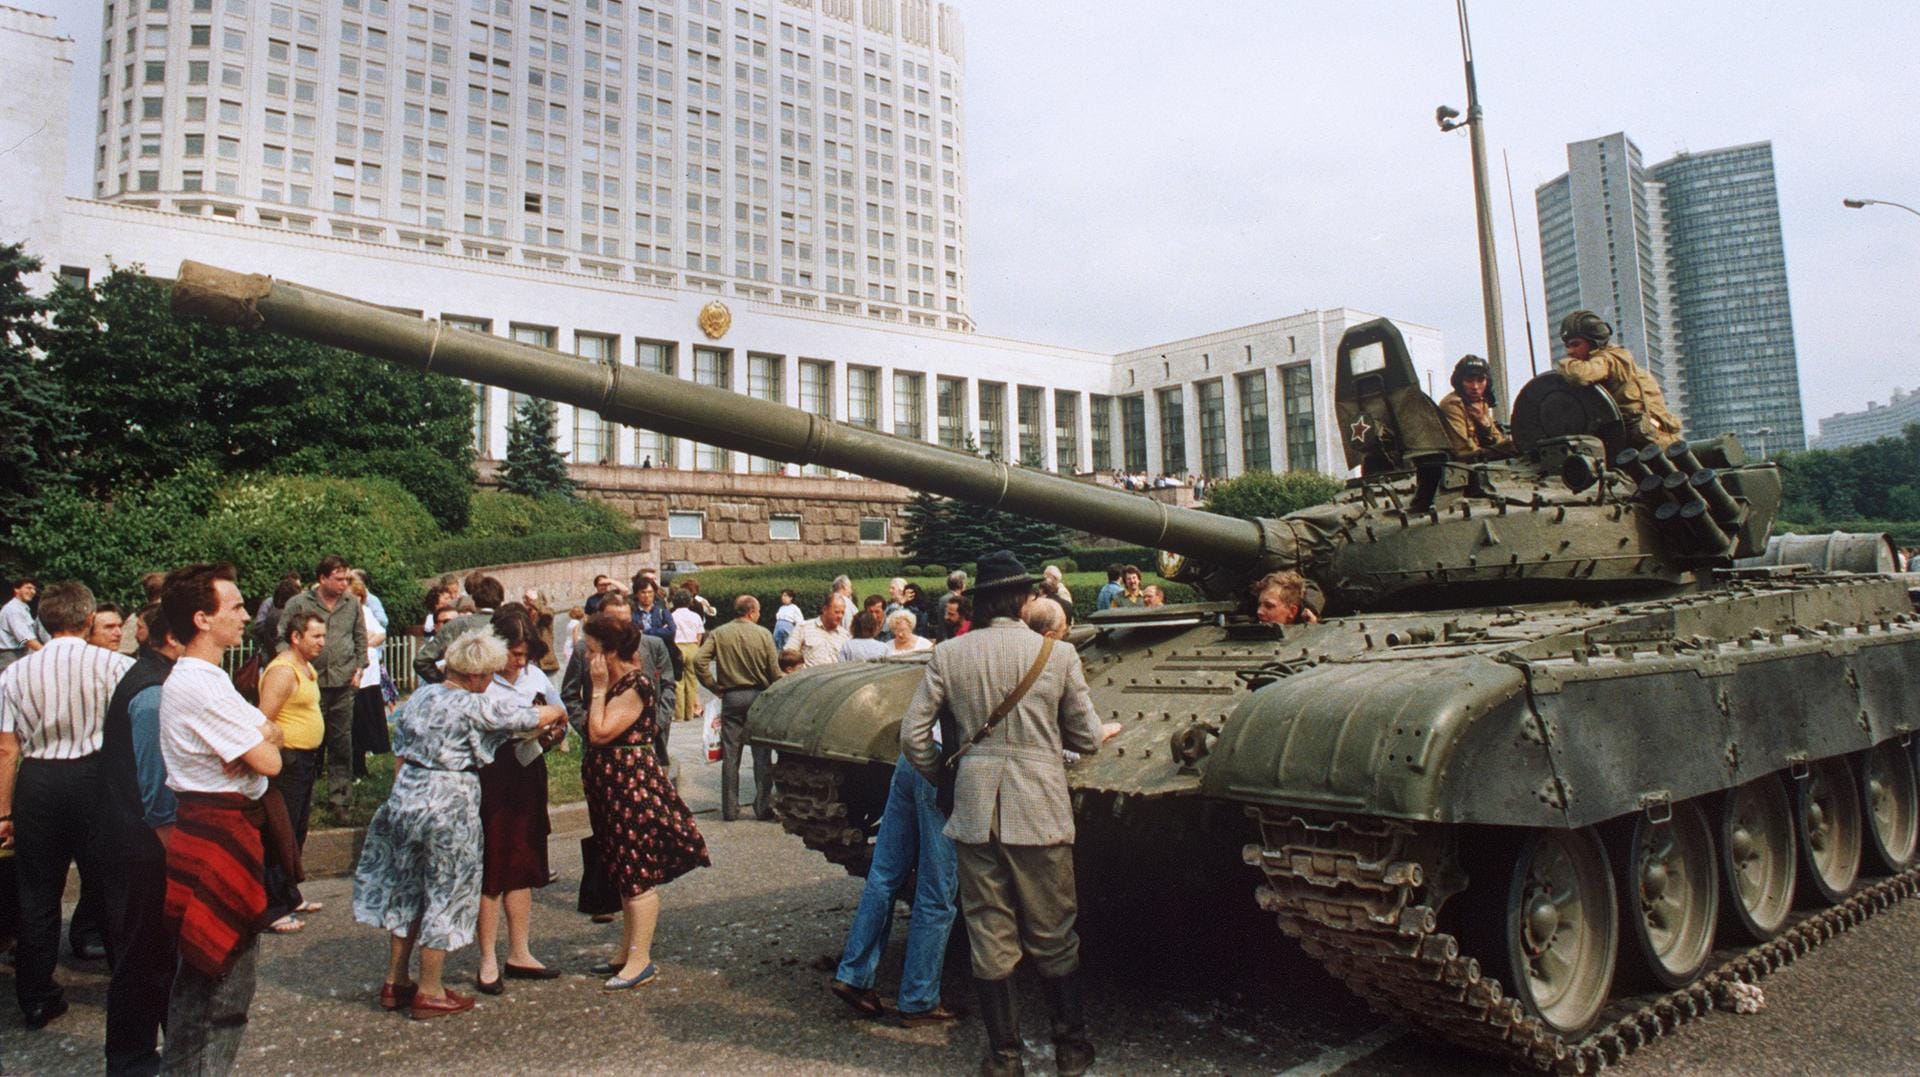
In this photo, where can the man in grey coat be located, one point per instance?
(1012, 822)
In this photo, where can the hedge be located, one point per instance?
(495, 514)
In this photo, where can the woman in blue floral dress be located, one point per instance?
(419, 872)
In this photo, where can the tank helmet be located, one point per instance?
(1470, 366)
(1587, 325)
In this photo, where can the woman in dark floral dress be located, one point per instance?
(642, 829)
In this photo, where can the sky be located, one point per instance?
(1140, 171)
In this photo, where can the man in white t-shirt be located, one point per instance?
(219, 752)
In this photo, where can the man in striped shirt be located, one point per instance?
(53, 709)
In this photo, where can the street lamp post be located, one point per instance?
(1863, 203)
(1760, 438)
(1475, 122)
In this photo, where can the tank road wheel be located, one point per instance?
(1757, 858)
(1892, 799)
(1827, 804)
(1561, 922)
(1669, 895)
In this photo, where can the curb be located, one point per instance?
(333, 852)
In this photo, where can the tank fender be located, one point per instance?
(1447, 739)
(847, 711)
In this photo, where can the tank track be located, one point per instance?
(1347, 890)
(807, 801)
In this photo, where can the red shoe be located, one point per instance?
(394, 996)
(454, 1002)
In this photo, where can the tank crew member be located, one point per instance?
(1590, 361)
(1283, 598)
(1012, 823)
(1468, 416)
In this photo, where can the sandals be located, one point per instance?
(309, 907)
(286, 925)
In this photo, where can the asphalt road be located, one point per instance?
(746, 948)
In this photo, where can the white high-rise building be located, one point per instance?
(801, 152)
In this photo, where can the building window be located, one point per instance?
(766, 375)
(863, 397)
(873, 529)
(1212, 399)
(1296, 396)
(783, 528)
(816, 395)
(993, 420)
(482, 395)
(1066, 431)
(1173, 432)
(712, 366)
(651, 448)
(1100, 420)
(1032, 402)
(539, 336)
(593, 438)
(686, 525)
(909, 405)
(1133, 433)
(950, 407)
(1255, 451)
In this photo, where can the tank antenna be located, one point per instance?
(1520, 262)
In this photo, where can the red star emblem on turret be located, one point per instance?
(1361, 428)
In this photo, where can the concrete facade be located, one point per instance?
(33, 132)
(805, 154)
(1888, 420)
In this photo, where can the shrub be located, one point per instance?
(1264, 494)
(1064, 564)
(1097, 558)
(497, 514)
(449, 555)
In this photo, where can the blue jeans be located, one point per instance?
(910, 839)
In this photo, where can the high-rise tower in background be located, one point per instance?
(1686, 260)
(804, 152)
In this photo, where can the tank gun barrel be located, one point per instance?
(714, 415)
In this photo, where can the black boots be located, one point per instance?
(1072, 1050)
(998, 1013)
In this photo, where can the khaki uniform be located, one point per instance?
(1471, 432)
(1643, 407)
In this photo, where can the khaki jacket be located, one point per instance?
(1012, 786)
(1642, 405)
(1469, 439)
(345, 653)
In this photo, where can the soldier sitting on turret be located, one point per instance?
(1471, 431)
(1590, 361)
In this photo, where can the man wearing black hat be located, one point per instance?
(1469, 417)
(1016, 700)
(1591, 361)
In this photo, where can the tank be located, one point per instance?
(1552, 774)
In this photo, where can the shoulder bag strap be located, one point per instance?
(1006, 705)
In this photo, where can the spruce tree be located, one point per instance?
(533, 466)
(927, 536)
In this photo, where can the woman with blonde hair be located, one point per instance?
(419, 872)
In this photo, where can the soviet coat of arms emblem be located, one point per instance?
(715, 320)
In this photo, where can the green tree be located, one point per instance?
(927, 535)
(154, 394)
(1266, 495)
(534, 467)
(37, 434)
(1873, 481)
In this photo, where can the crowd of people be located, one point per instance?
(182, 793)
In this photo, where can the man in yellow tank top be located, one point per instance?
(290, 698)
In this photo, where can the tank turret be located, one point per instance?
(1579, 514)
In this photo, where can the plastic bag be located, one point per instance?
(710, 729)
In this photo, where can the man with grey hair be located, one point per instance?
(53, 712)
(737, 661)
(1046, 618)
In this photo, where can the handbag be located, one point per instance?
(598, 895)
(950, 747)
(246, 679)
